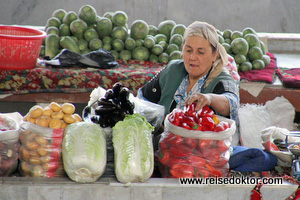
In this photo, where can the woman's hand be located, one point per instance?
(199, 99)
(217, 102)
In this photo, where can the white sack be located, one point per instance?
(255, 118)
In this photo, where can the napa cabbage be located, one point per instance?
(84, 151)
(133, 149)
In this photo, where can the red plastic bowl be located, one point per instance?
(19, 47)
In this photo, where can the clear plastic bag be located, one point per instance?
(154, 113)
(40, 151)
(190, 153)
(9, 143)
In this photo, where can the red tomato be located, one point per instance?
(55, 155)
(164, 157)
(205, 112)
(176, 117)
(51, 166)
(202, 172)
(222, 163)
(190, 142)
(207, 123)
(214, 172)
(182, 171)
(186, 126)
(172, 139)
(219, 127)
(179, 151)
(189, 110)
(174, 161)
(56, 142)
(196, 161)
(224, 124)
(204, 144)
(212, 156)
(221, 146)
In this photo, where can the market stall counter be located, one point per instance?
(26, 188)
(46, 84)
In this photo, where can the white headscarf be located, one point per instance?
(209, 33)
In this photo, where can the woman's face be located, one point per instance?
(198, 56)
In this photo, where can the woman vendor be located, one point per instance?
(199, 77)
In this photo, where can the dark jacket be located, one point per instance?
(162, 87)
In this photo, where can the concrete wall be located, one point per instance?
(272, 16)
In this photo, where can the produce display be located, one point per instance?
(9, 153)
(87, 30)
(40, 151)
(112, 107)
(245, 47)
(41, 136)
(133, 149)
(203, 120)
(9, 145)
(53, 140)
(54, 116)
(84, 152)
(197, 146)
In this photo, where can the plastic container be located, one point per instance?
(19, 47)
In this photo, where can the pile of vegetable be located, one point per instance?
(248, 51)
(42, 131)
(203, 120)
(40, 151)
(194, 144)
(112, 107)
(86, 31)
(9, 145)
(54, 115)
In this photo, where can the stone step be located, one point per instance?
(281, 42)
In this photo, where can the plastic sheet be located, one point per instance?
(101, 59)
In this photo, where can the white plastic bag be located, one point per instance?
(254, 118)
(154, 113)
(191, 153)
(9, 142)
(268, 135)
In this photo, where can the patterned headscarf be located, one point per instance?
(209, 33)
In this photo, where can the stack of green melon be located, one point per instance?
(245, 47)
(87, 31)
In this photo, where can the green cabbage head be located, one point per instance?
(133, 149)
(84, 151)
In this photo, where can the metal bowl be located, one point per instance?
(295, 149)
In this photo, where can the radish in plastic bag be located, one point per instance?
(9, 142)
